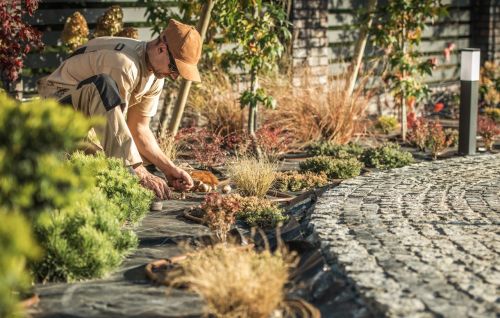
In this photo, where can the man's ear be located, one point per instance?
(162, 47)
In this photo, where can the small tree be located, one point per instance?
(398, 31)
(258, 28)
(16, 37)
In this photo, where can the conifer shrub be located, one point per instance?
(295, 181)
(328, 148)
(33, 139)
(84, 240)
(387, 156)
(334, 168)
(260, 212)
(16, 246)
(120, 186)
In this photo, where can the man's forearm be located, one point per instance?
(149, 149)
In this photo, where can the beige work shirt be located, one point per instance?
(124, 60)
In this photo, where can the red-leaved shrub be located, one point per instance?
(203, 145)
(16, 37)
(488, 130)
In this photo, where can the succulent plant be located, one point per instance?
(333, 168)
(387, 156)
(295, 181)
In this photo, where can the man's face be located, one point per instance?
(163, 63)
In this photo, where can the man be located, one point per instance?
(121, 79)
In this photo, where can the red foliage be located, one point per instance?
(488, 129)
(419, 133)
(438, 107)
(204, 145)
(16, 37)
(272, 141)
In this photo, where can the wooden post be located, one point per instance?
(180, 103)
(359, 50)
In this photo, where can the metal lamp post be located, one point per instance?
(469, 88)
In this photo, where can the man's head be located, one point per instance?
(176, 52)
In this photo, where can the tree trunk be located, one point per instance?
(404, 127)
(359, 50)
(186, 85)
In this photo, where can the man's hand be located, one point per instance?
(179, 179)
(154, 183)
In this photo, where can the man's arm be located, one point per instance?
(149, 149)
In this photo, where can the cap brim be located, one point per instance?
(188, 71)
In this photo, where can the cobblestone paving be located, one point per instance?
(419, 241)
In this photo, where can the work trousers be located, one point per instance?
(98, 96)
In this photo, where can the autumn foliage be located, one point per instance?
(17, 38)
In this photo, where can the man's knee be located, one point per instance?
(107, 89)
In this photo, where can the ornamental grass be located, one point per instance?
(237, 282)
(252, 177)
(319, 113)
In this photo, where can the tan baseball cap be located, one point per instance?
(184, 42)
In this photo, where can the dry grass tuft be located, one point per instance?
(167, 144)
(252, 177)
(320, 113)
(236, 282)
(218, 104)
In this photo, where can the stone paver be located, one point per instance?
(419, 241)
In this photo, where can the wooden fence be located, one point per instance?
(455, 28)
(52, 14)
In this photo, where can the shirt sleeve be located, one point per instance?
(148, 104)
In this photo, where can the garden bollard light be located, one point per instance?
(469, 87)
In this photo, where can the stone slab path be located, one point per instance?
(419, 241)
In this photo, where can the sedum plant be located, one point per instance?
(17, 246)
(329, 148)
(118, 184)
(260, 212)
(252, 177)
(387, 156)
(334, 168)
(236, 282)
(84, 240)
(295, 181)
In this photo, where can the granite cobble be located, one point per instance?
(418, 241)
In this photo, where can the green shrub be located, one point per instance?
(328, 148)
(33, 138)
(387, 156)
(260, 212)
(386, 124)
(83, 240)
(119, 185)
(333, 168)
(295, 181)
(16, 246)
